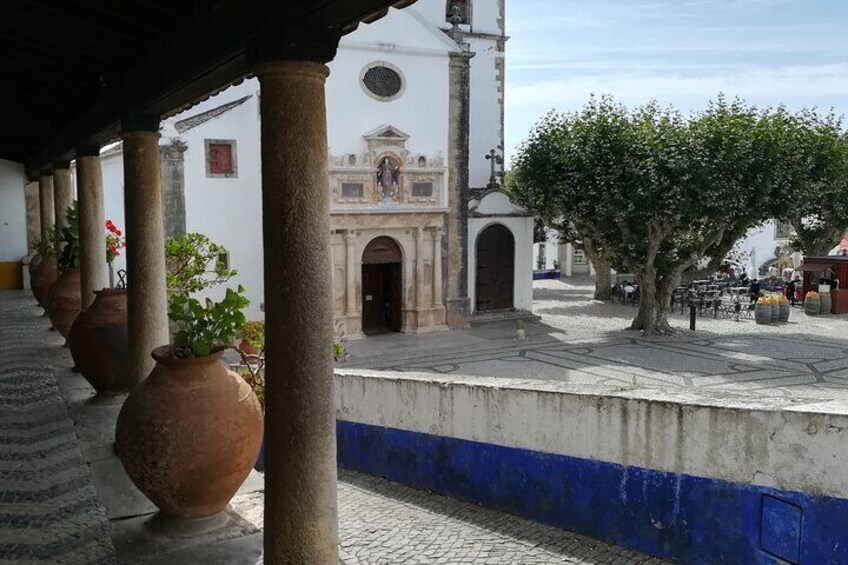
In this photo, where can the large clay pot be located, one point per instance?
(99, 342)
(189, 434)
(42, 275)
(64, 301)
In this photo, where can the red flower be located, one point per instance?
(118, 232)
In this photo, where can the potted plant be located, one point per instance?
(64, 300)
(42, 268)
(189, 434)
(251, 337)
(99, 338)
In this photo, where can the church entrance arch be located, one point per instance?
(381, 286)
(495, 278)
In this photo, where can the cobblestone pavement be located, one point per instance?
(49, 511)
(582, 341)
(385, 523)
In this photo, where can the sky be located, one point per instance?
(679, 52)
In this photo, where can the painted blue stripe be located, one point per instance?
(681, 517)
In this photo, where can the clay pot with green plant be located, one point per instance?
(99, 337)
(42, 269)
(251, 337)
(64, 299)
(189, 434)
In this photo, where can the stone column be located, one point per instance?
(33, 214)
(45, 198)
(63, 197)
(350, 273)
(93, 271)
(458, 304)
(437, 268)
(147, 313)
(300, 439)
(419, 268)
(173, 188)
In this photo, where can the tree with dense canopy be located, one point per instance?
(652, 192)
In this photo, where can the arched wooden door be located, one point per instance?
(495, 269)
(381, 286)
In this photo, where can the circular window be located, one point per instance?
(382, 81)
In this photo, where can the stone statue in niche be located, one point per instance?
(388, 173)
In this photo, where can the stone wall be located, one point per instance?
(681, 475)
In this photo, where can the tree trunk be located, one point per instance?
(654, 303)
(602, 279)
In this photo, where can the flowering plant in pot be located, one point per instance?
(189, 434)
(64, 300)
(251, 337)
(115, 241)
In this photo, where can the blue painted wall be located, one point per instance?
(680, 517)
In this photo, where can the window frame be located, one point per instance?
(231, 143)
(367, 91)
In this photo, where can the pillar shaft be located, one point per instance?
(300, 475)
(147, 313)
(419, 267)
(93, 275)
(437, 267)
(33, 218)
(350, 273)
(63, 197)
(45, 202)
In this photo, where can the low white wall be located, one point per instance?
(763, 442)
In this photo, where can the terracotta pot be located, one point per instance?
(42, 276)
(248, 349)
(99, 342)
(189, 434)
(64, 301)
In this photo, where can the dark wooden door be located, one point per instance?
(381, 287)
(495, 269)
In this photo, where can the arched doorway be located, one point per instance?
(381, 286)
(495, 269)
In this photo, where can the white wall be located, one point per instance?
(113, 199)
(767, 442)
(759, 243)
(13, 236)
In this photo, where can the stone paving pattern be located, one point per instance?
(49, 510)
(385, 523)
(582, 341)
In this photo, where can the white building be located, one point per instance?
(394, 115)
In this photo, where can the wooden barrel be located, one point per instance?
(812, 305)
(784, 310)
(762, 313)
(775, 312)
(826, 302)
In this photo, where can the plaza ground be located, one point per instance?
(582, 341)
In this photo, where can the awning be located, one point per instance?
(817, 266)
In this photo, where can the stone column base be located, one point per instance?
(424, 319)
(458, 312)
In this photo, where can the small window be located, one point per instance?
(221, 158)
(382, 81)
(422, 189)
(353, 189)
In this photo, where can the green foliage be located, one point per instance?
(206, 327)
(653, 191)
(47, 247)
(69, 258)
(253, 332)
(194, 263)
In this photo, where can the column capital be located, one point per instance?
(138, 123)
(317, 44)
(57, 165)
(350, 235)
(45, 173)
(87, 151)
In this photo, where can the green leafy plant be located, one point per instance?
(195, 263)
(46, 247)
(69, 258)
(340, 352)
(203, 327)
(208, 326)
(253, 332)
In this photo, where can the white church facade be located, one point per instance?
(422, 237)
